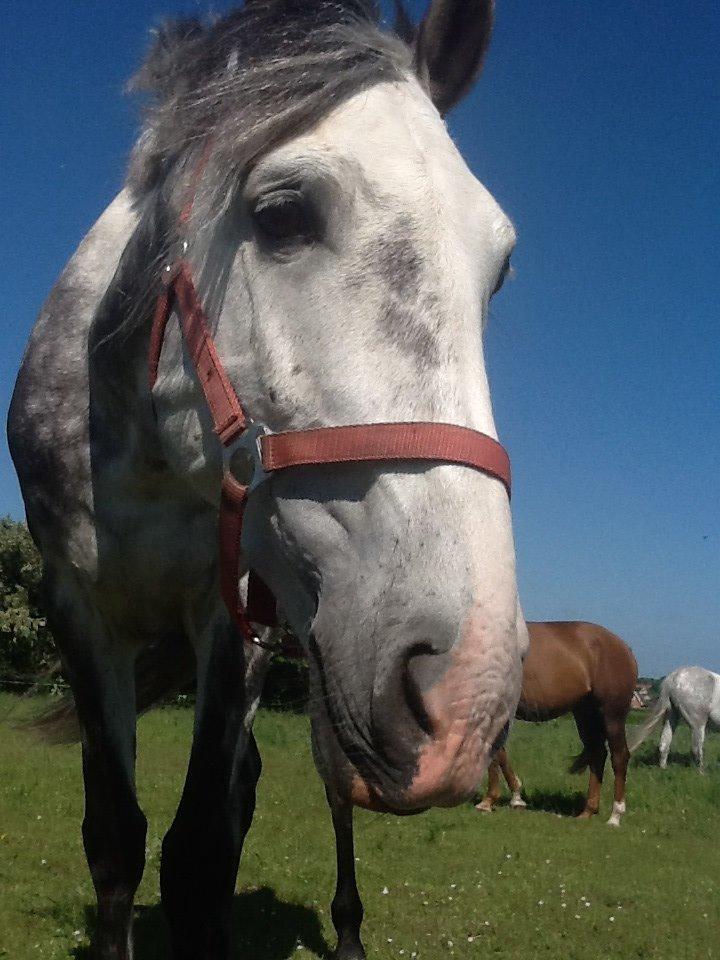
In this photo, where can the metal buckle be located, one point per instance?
(242, 458)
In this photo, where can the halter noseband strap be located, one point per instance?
(268, 452)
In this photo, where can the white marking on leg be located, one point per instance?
(617, 811)
(516, 801)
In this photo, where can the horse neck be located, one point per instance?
(120, 402)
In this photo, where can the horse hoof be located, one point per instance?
(484, 807)
(518, 804)
(614, 821)
(586, 815)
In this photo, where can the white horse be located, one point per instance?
(688, 693)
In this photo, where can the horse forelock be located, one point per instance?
(253, 79)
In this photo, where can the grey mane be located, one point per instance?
(243, 83)
(254, 78)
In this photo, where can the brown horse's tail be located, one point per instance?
(580, 762)
(659, 711)
(161, 670)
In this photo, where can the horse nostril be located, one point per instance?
(418, 675)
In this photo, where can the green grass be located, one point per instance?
(532, 884)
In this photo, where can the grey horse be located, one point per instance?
(344, 257)
(691, 694)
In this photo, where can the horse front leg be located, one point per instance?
(494, 788)
(201, 851)
(102, 677)
(698, 739)
(513, 781)
(347, 908)
(666, 738)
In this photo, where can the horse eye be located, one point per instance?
(285, 219)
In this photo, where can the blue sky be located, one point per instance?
(597, 126)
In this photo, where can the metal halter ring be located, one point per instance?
(242, 458)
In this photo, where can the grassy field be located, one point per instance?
(450, 883)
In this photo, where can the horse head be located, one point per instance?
(346, 257)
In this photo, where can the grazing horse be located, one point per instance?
(278, 322)
(584, 669)
(691, 694)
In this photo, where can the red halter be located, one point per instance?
(270, 452)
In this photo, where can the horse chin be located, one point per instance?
(365, 796)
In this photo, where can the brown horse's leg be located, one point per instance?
(592, 733)
(201, 851)
(619, 757)
(102, 678)
(347, 908)
(492, 794)
(513, 781)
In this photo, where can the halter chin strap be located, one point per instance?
(266, 453)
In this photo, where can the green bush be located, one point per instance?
(26, 645)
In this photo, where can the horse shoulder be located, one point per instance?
(555, 674)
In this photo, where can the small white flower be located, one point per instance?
(385, 891)
(612, 919)
(541, 903)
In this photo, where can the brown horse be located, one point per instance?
(583, 669)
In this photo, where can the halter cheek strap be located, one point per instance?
(371, 442)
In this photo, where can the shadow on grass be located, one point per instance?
(265, 929)
(564, 803)
(651, 759)
(547, 801)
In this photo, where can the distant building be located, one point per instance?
(643, 695)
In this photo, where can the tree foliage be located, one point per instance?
(26, 646)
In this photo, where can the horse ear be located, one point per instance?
(450, 48)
